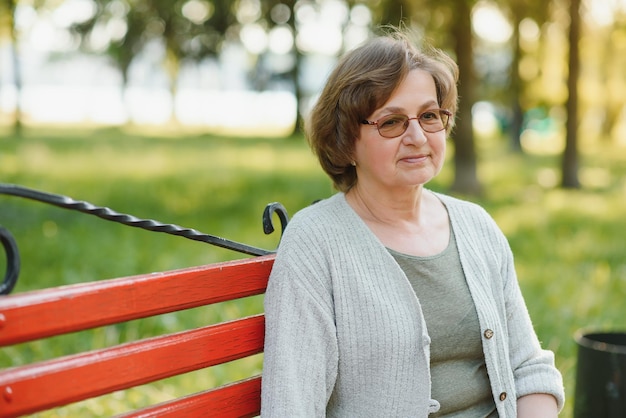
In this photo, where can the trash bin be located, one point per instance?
(600, 375)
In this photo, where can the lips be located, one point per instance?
(414, 158)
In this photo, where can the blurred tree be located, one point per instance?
(281, 13)
(465, 173)
(188, 29)
(569, 165)
(124, 46)
(192, 29)
(613, 44)
(8, 29)
(518, 10)
(295, 15)
(395, 12)
(121, 48)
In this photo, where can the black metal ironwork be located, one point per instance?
(13, 261)
(12, 253)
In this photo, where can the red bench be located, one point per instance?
(59, 381)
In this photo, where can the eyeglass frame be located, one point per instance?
(406, 124)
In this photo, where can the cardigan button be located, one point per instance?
(503, 396)
(488, 333)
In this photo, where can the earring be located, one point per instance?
(353, 163)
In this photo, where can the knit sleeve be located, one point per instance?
(300, 360)
(534, 369)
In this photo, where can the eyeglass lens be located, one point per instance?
(394, 125)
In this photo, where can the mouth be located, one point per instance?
(414, 158)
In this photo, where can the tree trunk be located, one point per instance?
(517, 112)
(570, 154)
(295, 76)
(17, 71)
(612, 107)
(465, 176)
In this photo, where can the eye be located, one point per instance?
(392, 121)
(430, 116)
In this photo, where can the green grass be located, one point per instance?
(568, 244)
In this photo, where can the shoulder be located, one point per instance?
(310, 244)
(459, 208)
(324, 214)
(312, 226)
(456, 203)
(469, 216)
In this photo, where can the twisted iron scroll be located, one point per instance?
(12, 253)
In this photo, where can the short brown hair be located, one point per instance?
(363, 80)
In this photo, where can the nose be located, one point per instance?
(414, 133)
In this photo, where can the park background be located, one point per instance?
(189, 112)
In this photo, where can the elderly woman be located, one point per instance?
(387, 299)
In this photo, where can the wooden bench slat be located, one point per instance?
(73, 378)
(237, 400)
(34, 315)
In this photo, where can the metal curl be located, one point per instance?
(147, 224)
(13, 261)
(268, 224)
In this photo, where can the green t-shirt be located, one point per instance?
(457, 364)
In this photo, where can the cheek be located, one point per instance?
(366, 148)
(440, 147)
(439, 153)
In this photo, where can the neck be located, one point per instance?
(385, 208)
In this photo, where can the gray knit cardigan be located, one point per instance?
(345, 335)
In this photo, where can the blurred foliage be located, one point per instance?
(525, 71)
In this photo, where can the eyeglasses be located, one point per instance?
(431, 121)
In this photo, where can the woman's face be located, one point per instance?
(410, 159)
